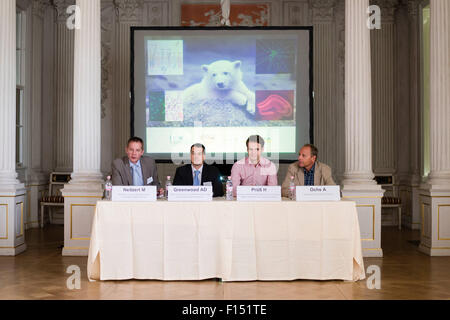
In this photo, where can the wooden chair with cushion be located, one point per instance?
(54, 197)
(391, 198)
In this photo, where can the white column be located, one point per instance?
(440, 93)
(435, 234)
(12, 192)
(358, 183)
(358, 95)
(85, 188)
(8, 175)
(87, 96)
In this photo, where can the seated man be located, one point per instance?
(307, 171)
(198, 172)
(254, 170)
(135, 169)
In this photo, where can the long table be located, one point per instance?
(230, 240)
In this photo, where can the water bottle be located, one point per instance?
(168, 184)
(229, 189)
(108, 188)
(292, 189)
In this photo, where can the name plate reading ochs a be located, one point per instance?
(190, 193)
(259, 193)
(133, 193)
(318, 193)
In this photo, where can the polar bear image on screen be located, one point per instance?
(221, 85)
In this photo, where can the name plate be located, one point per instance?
(317, 193)
(259, 193)
(190, 193)
(133, 193)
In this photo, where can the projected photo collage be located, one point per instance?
(221, 81)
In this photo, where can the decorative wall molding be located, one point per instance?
(61, 9)
(388, 9)
(128, 13)
(328, 19)
(413, 7)
(339, 18)
(107, 27)
(129, 10)
(39, 7)
(322, 10)
(156, 13)
(415, 94)
(64, 77)
(115, 41)
(383, 98)
(296, 13)
(326, 108)
(210, 14)
(34, 170)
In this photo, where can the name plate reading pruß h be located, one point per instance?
(317, 193)
(133, 193)
(259, 193)
(190, 193)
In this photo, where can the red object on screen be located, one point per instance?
(274, 107)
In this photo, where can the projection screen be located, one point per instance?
(218, 86)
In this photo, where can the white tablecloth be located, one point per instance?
(234, 241)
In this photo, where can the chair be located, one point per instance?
(390, 201)
(54, 197)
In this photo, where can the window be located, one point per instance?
(20, 84)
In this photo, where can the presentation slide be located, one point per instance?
(218, 87)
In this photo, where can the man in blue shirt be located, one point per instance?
(135, 169)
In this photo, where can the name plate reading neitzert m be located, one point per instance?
(133, 193)
(190, 193)
(318, 193)
(259, 193)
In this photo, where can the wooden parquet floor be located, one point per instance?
(40, 273)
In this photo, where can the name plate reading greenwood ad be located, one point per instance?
(318, 193)
(259, 193)
(190, 193)
(133, 193)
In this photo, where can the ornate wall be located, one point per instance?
(327, 16)
(394, 74)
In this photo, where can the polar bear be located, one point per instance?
(222, 81)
